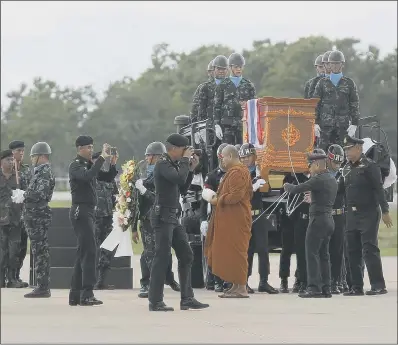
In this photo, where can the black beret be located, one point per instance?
(177, 140)
(16, 144)
(84, 140)
(351, 141)
(96, 155)
(5, 154)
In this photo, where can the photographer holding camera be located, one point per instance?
(173, 174)
(83, 176)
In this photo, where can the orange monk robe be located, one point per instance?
(228, 236)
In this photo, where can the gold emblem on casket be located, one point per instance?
(291, 135)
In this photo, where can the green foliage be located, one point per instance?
(134, 113)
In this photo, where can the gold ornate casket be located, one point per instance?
(286, 133)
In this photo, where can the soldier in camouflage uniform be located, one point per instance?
(309, 87)
(337, 112)
(229, 96)
(146, 187)
(37, 216)
(106, 196)
(24, 174)
(10, 219)
(194, 114)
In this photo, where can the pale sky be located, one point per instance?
(78, 43)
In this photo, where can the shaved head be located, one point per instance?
(230, 156)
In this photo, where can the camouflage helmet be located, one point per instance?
(155, 148)
(210, 66)
(247, 150)
(336, 153)
(336, 56)
(236, 59)
(325, 56)
(318, 60)
(220, 148)
(40, 148)
(220, 61)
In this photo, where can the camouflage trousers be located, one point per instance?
(103, 227)
(10, 238)
(331, 135)
(37, 228)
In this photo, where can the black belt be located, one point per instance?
(338, 211)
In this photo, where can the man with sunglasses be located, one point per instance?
(323, 188)
(337, 112)
(229, 96)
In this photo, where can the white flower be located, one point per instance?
(128, 199)
(130, 184)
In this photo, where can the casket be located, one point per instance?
(282, 130)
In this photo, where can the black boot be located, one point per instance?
(174, 286)
(373, 292)
(296, 286)
(263, 286)
(334, 288)
(326, 293)
(310, 294)
(192, 303)
(89, 301)
(354, 292)
(345, 287)
(39, 292)
(12, 280)
(24, 284)
(100, 285)
(143, 291)
(249, 289)
(303, 288)
(161, 306)
(284, 286)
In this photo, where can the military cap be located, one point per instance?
(84, 140)
(5, 154)
(96, 155)
(177, 140)
(16, 144)
(351, 141)
(317, 154)
(247, 150)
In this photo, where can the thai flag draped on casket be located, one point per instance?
(254, 130)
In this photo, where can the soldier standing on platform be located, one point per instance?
(24, 174)
(38, 216)
(229, 97)
(309, 87)
(337, 112)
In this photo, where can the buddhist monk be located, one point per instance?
(227, 240)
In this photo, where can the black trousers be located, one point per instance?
(320, 228)
(259, 244)
(300, 231)
(361, 234)
(169, 235)
(287, 226)
(82, 218)
(336, 247)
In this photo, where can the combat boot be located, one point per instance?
(144, 291)
(12, 280)
(249, 289)
(39, 292)
(326, 293)
(192, 303)
(284, 288)
(303, 288)
(218, 287)
(263, 286)
(25, 284)
(296, 286)
(100, 285)
(334, 288)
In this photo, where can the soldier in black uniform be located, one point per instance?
(212, 181)
(259, 239)
(309, 86)
(323, 188)
(83, 176)
(229, 96)
(172, 177)
(364, 195)
(336, 244)
(146, 188)
(338, 109)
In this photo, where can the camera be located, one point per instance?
(197, 152)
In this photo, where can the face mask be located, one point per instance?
(149, 169)
(236, 80)
(218, 81)
(335, 78)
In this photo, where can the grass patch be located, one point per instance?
(60, 203)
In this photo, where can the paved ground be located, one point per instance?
(124, 318)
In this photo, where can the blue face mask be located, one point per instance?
(218, 81)
(149, 169)
(252, 168)
(236, 80)
(335, 78)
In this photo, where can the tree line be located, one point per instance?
(134, 112)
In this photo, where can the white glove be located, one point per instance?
(317, 130)
(203, 227)
(219, 134)
(351, 130)
(140, 186)
(259, 183)
(18, 196)
(208, 194)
